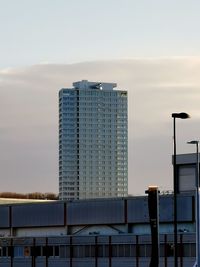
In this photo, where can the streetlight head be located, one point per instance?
(181, 115)
(193, 142)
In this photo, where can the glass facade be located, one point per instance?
(93, 153)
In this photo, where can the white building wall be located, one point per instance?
(41, 231)
(93, 136)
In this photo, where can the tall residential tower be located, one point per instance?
(93, 137)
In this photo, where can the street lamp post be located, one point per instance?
(195, 142)
(181, 115)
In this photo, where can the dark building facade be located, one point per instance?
(94, 233)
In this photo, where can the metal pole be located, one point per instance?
(153, 205)
(197, 263)
(181, 115)
(197, 206)
(175, 196)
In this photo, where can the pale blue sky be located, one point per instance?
(68, 31)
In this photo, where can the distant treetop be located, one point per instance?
(34, 195)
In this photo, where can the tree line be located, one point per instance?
(34, 195)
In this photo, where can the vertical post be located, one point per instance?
(33, 253)
(137, 251)
(110, 252)
(11, 252)
(181, 115)
(175, 195)
(71, 251)
(47, 252)
(96, 252)
(181, 250)
(197, 204)
(165, 249)
(197, 263)
(153, 204)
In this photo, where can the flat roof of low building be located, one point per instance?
(22, 200)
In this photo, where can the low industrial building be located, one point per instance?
(111, 232)
(94, 233)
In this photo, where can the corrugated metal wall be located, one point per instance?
(38, 215)
(93, 212)
(137, 210)
(4, 217)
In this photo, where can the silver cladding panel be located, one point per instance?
(81, 240)
(38, 215)
(166, 209)
(59, 240)
(4, 217)
(185, 158)
(103, 239)
(40, 241)
(124, 239)
(184, 209)
(23, 241)
(5, 262)
(22, 262)
(137, 210)
(95, 212)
